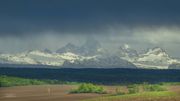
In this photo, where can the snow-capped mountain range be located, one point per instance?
(92, 55)
(152, 58)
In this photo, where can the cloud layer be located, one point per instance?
(39, 24)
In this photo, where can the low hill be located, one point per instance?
(94, 75)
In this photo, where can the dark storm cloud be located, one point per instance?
(19, 17)
(39, 24)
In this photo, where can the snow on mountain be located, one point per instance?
(152, 58)
(91, 54)
(90, 48)
(127, 53)
(41, 58)
(100, 62)
(67, 59)
(156, 57)
(69, 48)
(18, 58)
(39, 53)
(38, 57)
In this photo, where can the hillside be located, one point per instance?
(94, 75)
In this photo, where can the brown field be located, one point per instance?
(42, 93)
(58, 93)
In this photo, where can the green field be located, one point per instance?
(168, 91)
(146, 96)
(8, 81)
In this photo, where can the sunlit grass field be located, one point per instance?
(146, 96)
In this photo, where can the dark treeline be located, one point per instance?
(101, 76)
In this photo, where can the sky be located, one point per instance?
(39, 24)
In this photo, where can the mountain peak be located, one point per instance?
(89, 48)
(126, 46)
(47, 51)
(70, 45)
(127, 51)
(68, 48)
(156, 51)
